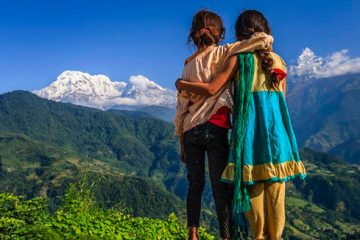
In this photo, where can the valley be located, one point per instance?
(47, 145)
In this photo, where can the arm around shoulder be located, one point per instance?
(210, 88)
(258, 41)
(223, 77)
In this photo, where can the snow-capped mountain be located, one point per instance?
(100, 92)
(322, 96)
(147, 92)
(310, 66)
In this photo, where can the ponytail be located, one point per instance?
(207, 29)
(266, 63)
(248, 23)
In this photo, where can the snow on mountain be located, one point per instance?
(310, 66)
(148, 92)
(100, 92)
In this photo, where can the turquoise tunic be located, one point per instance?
(263, 145)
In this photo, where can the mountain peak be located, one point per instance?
(308, 65)
(311, 66)
(100, 91)
(73, 77)
(143, 83)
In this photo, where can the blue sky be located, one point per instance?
(40, 39)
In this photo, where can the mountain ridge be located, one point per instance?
(325, 114)
(101, 92)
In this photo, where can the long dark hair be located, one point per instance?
(207, 29)
(252, 21)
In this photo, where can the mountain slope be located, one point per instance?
(326, 205)
(325, 114)
(164, 113)
(133, 145)
(93, 132)
(32, 169)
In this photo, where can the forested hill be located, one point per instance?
(48, 144)
(45, 145)
(143, 145)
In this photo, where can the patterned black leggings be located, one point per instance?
(213, 140)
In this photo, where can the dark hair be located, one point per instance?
(252, 21)
(207, 29)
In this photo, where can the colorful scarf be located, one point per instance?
(233, 172)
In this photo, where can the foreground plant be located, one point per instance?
(79, 217)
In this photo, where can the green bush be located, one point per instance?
(79, 217)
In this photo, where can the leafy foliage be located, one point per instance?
(80, 218)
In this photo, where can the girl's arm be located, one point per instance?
(210, 88)
(258, 41)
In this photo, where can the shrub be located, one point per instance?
(79, 217)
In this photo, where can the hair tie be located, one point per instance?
(204, 31)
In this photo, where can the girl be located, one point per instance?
(202, 123)
(264, 153)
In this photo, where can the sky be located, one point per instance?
(39, 39)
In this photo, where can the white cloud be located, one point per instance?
(139, 81)
(142, 83)
(338, 63)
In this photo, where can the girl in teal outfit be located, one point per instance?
(263, 149)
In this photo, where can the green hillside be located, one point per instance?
(139, 146)
(327, 203)
(140, 149)
(133, 159)
(33, 169)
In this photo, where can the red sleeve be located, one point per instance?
(280, 74)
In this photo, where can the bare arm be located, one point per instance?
(210, 88)
(258, 41)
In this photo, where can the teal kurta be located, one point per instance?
(263, 145)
